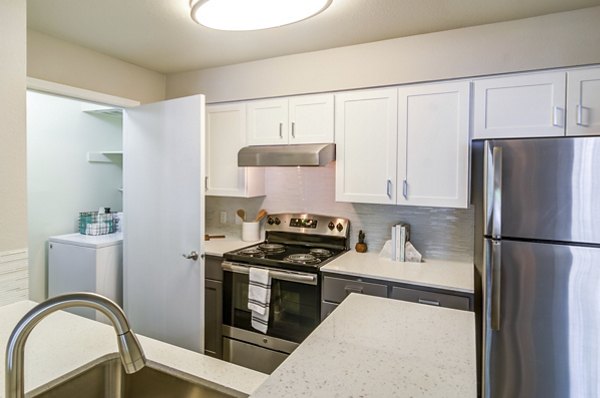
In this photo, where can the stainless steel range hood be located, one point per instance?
(286, 155)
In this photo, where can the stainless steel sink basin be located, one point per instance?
(108, 380)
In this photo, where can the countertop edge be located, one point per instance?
(400, 280)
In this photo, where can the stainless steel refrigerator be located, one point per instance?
(537, 255)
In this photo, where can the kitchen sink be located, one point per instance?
(108, 380)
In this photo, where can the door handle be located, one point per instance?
(492, 200)
(496, 286)
(192, 256)
(280, 130)
(388, 188)
(405, 189)
(293, 130)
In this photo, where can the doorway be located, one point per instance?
(74, 164)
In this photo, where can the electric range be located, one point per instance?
(295, 247)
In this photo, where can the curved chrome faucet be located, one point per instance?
(130, 350)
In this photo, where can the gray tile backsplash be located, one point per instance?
(436, 232)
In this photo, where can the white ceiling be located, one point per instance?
(160, 35)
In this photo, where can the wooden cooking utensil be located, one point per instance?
(262, 213)
(241, 214)
(209, 237)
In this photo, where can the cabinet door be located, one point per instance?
(213, 338)
(335, 290)
(226, 134)
(311, 119)
(433, 145)
(430, 298)
(583, 99)
(527, 105)
(366, 135)
(268, 122)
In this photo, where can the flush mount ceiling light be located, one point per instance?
(253, 14)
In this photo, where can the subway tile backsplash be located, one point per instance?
(436, 232)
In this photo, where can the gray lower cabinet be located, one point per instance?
(430, 298)
(335, 290)
(213, 307)
(337, 287)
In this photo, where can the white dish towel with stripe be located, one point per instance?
(259, 297)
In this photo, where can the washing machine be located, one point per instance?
(83, 263)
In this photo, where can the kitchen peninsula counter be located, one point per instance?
(438, 274)
(64, 344)
(376, 347)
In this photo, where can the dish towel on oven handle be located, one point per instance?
(259, 298)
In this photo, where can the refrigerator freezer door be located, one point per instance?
(548, 343)
(550, 189)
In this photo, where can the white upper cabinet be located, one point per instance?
(433, 145)
(226, 134)
(311, 119)
(366, 127)
(268, 122)
(583, 99)
(525, 105)
(306, 119)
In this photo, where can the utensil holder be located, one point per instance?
(250, 231)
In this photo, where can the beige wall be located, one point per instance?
(555, 40)
(13, 191)
(62, 62)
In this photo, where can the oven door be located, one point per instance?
(294, 311)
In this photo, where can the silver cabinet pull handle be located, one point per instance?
(388, 188)
(353, 289)
(557, 116)
(192, 256)
(293, 130)
(206, 183)
(280, 130)
(405, 189)
(429, 302)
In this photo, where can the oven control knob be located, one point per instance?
(339, 227)
(277, 221)
(331, 225)
(270, 221)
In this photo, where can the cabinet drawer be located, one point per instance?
(327, 309)
(335, 290)
(213, 268)
(429, 298)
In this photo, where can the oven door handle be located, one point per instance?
(306, 279)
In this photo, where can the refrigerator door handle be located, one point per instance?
(492, 200)
(496, 270)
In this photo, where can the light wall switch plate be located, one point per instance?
(223, 217)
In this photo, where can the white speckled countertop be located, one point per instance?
(449, 275)
(64, 344)
(376, 347)
(216, 247)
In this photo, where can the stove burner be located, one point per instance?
(272, 248)
(321, 253)
(302, 258)
(251, 252)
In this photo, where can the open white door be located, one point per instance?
(163, 204)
